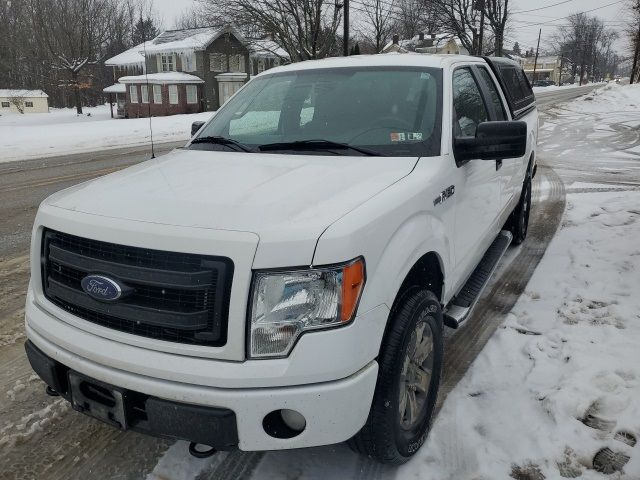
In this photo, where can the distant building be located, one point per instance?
(117, 94)
(23, 101)
(190, 70)
(427, 43)
(547, 67)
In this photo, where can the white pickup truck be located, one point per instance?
(283, 280)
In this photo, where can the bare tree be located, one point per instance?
(497, 16)
(305, 29)
(415, 16)
(74, 32)
(378, 22)
(585, 47)
(18, 102)
(461, 18)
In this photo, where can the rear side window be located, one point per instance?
(517, 87)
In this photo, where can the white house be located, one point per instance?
(23, 101)
(442, 43)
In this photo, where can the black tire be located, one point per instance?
(384, 437)
(518, 223)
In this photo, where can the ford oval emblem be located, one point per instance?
(101, 288)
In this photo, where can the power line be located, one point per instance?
(568, 16)
(542, 8)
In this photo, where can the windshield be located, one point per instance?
(388, 111)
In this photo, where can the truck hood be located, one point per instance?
(281, 198)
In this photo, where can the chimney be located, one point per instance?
(396, 39)
(421, 36)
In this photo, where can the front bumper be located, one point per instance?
(334, 411)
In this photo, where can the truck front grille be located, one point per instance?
(171, 296)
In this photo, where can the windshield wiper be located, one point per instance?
(316, 145)
(217, 140)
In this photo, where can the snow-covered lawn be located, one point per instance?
(62, 131)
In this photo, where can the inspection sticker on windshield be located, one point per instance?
(402, 136)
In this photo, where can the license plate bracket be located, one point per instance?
(97, 399)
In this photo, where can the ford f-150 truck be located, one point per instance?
(284, 280)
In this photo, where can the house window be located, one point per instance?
(236, 63)
(133, 93)
(6, 104)
(144, 90)
(157, 94)
(192, 94)
(173, 94)
(189, 62)
(28, 104)
(261, 65)
(217, 62)
(168, 63)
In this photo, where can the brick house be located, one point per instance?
(191, 70)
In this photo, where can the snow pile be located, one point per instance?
(611, 98)
(62, 132)
(561, 379)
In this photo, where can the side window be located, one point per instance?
(494, 95)
(468, 104)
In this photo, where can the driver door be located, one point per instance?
(477, 186)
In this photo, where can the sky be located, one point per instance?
(523, 29)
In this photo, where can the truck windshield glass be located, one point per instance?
(386, 111)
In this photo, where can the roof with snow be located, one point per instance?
(133, 56)
(6, 92)
(116, 88)
(429, 41)
(162, 78)
(188, 39)
(266, 48)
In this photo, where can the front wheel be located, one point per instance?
(518, 223)
(410, 365)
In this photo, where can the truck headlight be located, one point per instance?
(285, 304)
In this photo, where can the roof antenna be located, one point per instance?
(146, 77)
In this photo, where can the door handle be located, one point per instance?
(498, 165)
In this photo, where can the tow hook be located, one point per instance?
(51, 392)
(194, 451)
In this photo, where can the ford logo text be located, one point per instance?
(101, 288)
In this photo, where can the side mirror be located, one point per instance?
(195, 126)
(493, 141)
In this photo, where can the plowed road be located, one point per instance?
(41, 437)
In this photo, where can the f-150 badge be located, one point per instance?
(446, 193)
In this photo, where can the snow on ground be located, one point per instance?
(552, 88)
(560, 380)
(62, 131)
(565, 361)
(612, 98)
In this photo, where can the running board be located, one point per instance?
(461, 306)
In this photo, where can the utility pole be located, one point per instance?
(535, 62)
(636, 54)
(345, 41)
